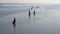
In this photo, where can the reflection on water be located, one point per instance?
(14, 25)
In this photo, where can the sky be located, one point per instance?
(31, 1)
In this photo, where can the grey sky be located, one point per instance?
(31, 1)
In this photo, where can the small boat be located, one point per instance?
(14, 21)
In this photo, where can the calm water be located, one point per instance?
(46, 21)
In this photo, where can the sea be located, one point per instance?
(45, 21)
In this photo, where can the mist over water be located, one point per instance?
(45, 21)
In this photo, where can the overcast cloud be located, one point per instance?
(31, 1)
